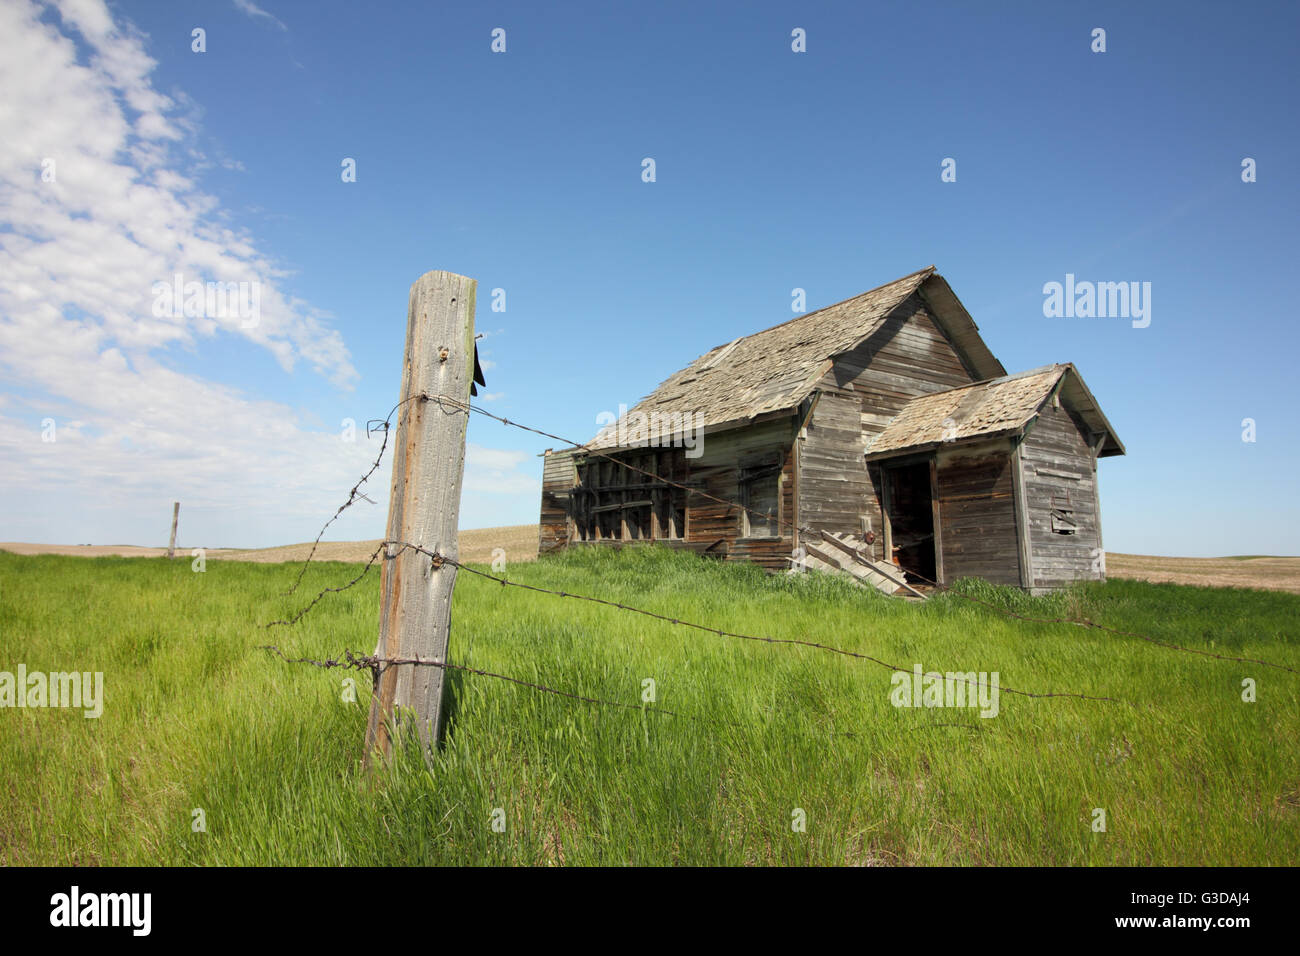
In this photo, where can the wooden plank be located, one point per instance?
(937, 521)
(886, 524)
(623, 505)
(1023, 549)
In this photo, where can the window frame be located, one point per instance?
(748, 474)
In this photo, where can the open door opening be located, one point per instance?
(910, 519)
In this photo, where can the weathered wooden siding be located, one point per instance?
(717, 472)
(1057, 467)
(834, 488)
(558, 479)
(865, 388)
(710, 526)
(623, 500)
(977, 515)
(906, 357)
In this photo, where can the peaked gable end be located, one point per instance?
(771, 372)
(906, 355)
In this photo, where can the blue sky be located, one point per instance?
(774, 170)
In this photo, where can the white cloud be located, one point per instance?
(78, 338)
(79, 342)
(115, 220)
(254, 11)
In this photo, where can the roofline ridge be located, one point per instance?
(808, 315)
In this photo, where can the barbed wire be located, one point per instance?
(288, 622)
(438, 559)
(375, 664)
(447, 401)
(789, 523)
(353, 495)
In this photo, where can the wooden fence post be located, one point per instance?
(428, 465)
(176, 513)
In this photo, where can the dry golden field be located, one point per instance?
(520, 544)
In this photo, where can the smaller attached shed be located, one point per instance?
(997, 480)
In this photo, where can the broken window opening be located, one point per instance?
(760, 499)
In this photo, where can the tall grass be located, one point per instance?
(197, 717)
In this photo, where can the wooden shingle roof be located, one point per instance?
(769, 371)
(1001, 406)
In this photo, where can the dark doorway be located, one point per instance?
(911, 518)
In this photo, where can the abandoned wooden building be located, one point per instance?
(878, 435)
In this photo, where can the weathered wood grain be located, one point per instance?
(1058, 468)
(428, 467)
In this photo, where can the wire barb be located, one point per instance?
(354, 494)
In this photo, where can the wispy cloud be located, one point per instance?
(496, 471)
(100, 208)
(256, 12)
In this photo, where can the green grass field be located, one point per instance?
(197, 717)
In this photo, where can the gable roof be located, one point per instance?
(1001, 406)
(774, 370)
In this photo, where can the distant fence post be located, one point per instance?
(176, 514)
(428, 465)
